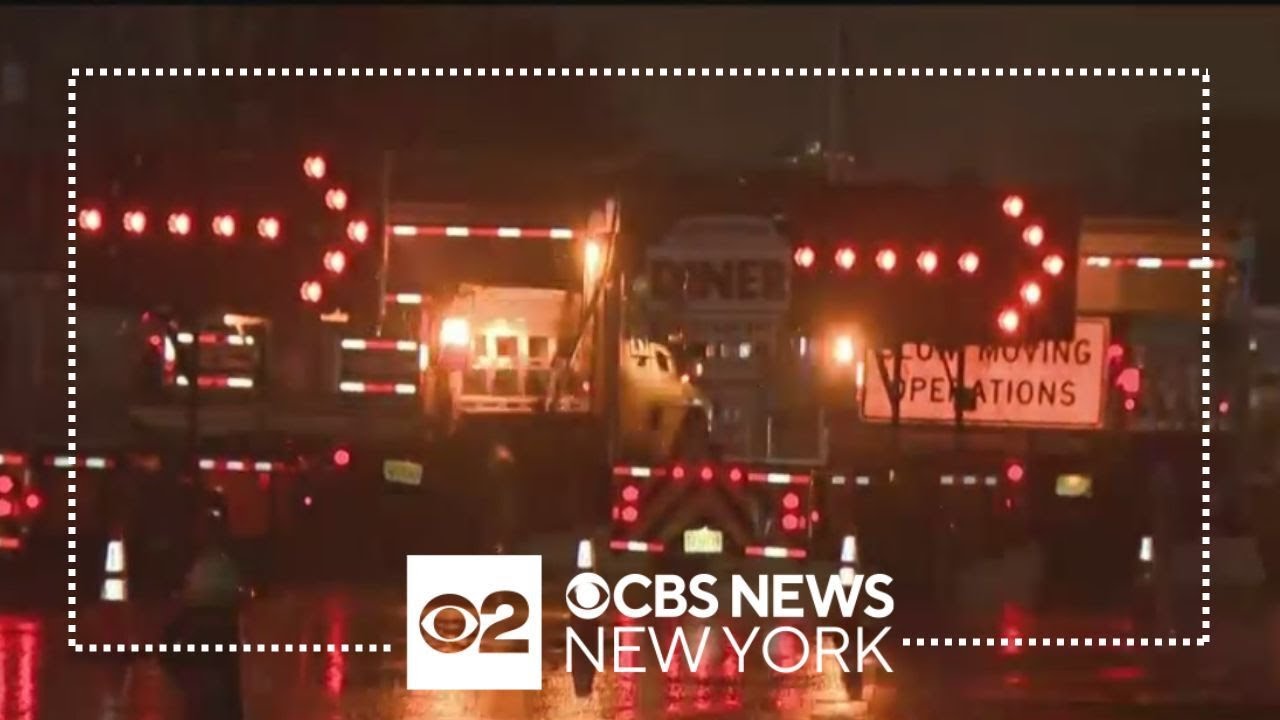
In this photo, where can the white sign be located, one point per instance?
(474, 622)
(722, 262)
(731, 281)
(1059, 383)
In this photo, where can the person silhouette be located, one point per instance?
(210, 615)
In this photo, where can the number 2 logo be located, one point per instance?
(450, 623)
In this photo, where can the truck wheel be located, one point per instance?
(693, 440)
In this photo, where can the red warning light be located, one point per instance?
(630, 493)
(33, 502)
(969, 262)
(1015, 472)
(735, 475)
(1033, 235)
(1009, 320)
(1031, 293)
(1130, 380)
(707, 473)
(804, 256)
(677, 472)
(887, 260)
(630, 514)
(791, 501)
(6, 484)
(335, 261)
(6, 508)
(179, 224)
(224, 226)
(336, 199)
(342, 457)
(91, 219)
(845, 257)
(1130, 404)
(358, 231)
(1013, 206)
(269, 228)
(1115, 352)
(927, 261)
(314, 167)
(135, 222)
(1054, 264)
(790, 522)
(311, 291)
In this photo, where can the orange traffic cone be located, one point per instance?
(115, 583)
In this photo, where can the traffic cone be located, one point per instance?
(848, 559)
(115, 584)
(586, 555)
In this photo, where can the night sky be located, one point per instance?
(996, 124)
(1126, 138)
(1031, 128)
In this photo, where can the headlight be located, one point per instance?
(843, 350)
(455, 332)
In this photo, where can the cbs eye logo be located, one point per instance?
(450, 623)
(587, 596)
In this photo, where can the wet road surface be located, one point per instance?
(1237, 675)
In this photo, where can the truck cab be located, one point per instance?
(508, 319)
(663, 413)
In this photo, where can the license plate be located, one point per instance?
(402, 472)
(1074, 486)
(703, 541)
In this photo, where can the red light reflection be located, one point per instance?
(1013, 624)
(335, 671)
(18, 681)
(1122, 673)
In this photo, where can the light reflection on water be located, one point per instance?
(19, 660)
(356, 686)
(715, 688)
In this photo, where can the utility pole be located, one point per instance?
(836, 153)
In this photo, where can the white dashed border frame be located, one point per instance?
(636, 72)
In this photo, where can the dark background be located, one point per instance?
(1127, 146)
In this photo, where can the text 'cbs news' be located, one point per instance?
(476, 622)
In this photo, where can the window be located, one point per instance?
(536, 382)
(539, 347)
(664, 363)
(474, 382)
(507, 346)
(506, 382)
